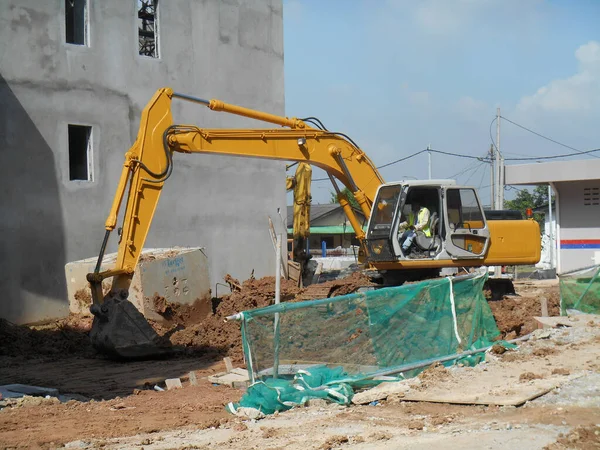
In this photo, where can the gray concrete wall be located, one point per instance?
(228, 49)
(579, 226)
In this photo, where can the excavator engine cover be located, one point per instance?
(120, 331)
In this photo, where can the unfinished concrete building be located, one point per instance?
(74, 77)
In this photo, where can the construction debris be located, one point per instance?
(236, 378)
(173, 383)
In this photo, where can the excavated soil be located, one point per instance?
(514, 314)
(62, 338)
(580, 438)
(255, 293)
(192, 327)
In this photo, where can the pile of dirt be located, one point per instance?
(514, 315)
(214, 334)
(61, 338)
(432, 375)
(199, 327)
(579, 438)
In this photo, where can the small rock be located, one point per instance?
(146, 441)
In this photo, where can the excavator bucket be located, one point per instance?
(120, 331)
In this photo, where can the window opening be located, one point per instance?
(80, 153)
(591, 196)
(148, 27)
(76, 21)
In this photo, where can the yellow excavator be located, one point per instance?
(460, 236)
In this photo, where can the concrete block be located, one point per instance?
(173, 383)
(162, 277)
(228, 364)
(193, 379)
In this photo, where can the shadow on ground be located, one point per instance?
(60, 356)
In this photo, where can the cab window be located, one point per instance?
(464, 210)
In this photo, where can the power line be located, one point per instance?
(471, 167)
(458, 155)
(540, 158)
(484, 159)
(474, 172)
(546, 137)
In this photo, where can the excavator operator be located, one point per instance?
(411, 226)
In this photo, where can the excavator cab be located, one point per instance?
(457, 229)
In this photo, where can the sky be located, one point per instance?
(397, 75)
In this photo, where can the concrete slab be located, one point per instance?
(579, 320)
(237, 378)
(162, 276)
(173, 383)
(20, 390)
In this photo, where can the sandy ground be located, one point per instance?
(128, 413)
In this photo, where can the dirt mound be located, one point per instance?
(514, 315)
(64, 337)
(579, 438)
(432, 375)
(225, 337)
(197, 327)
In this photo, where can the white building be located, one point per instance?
(576, 185)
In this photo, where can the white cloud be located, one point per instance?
(579, 93)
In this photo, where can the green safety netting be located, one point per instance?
(330, 347)
(580, 291)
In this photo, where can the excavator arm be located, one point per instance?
(149, 163)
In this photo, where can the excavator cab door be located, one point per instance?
(467, 233)
(380, 232)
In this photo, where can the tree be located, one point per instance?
(349, 196)
(533, 200)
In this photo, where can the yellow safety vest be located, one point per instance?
(426, 229)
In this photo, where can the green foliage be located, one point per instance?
(349, 196)
(533, 200)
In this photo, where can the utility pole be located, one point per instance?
(429, 156)
(500, 181)
(499, 171)
(550, 229)
(492, 179)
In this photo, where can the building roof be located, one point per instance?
(317, 212)
(553, 172)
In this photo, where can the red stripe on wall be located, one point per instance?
(580, 241)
